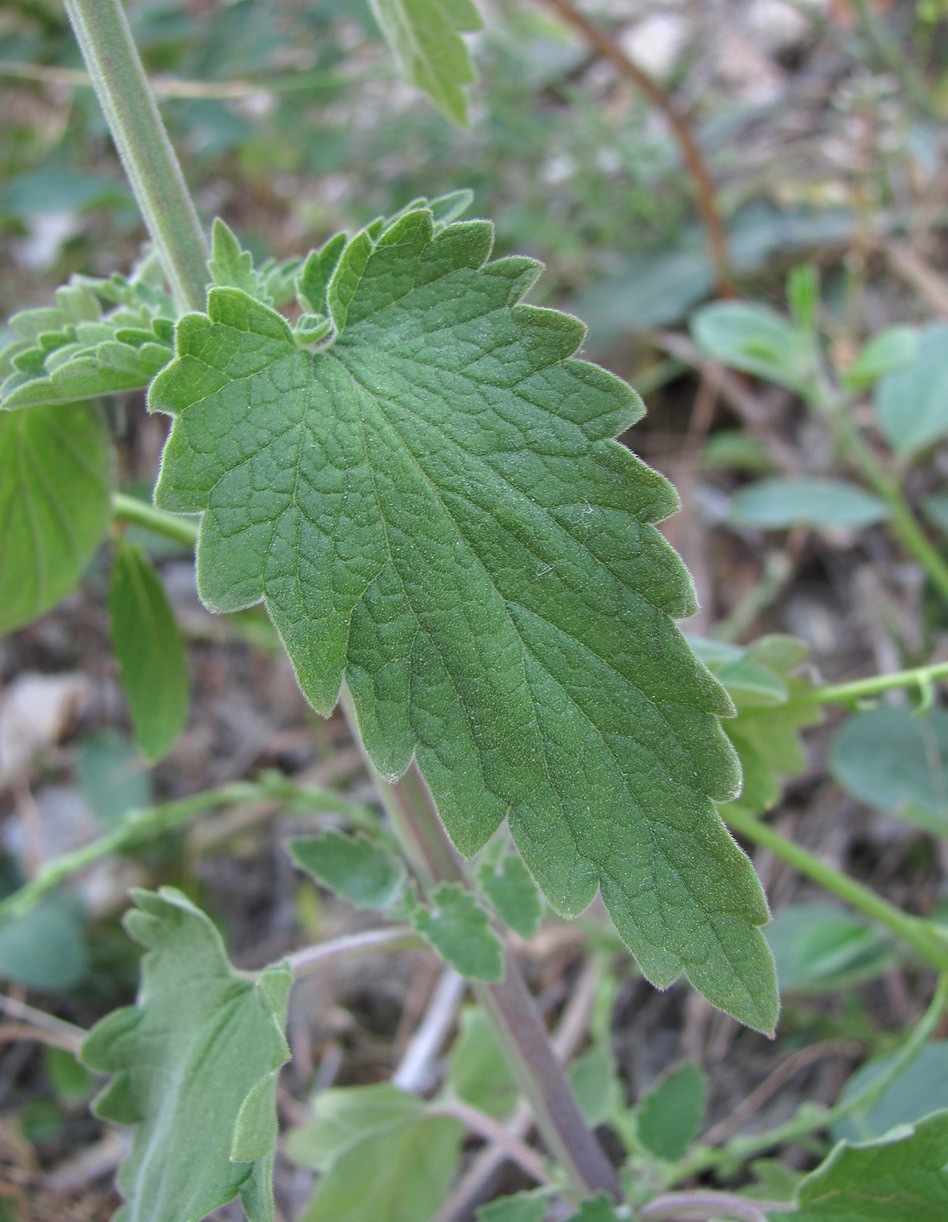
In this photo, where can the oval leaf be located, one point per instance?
(756, 340)
(912, 404)
(776, 504)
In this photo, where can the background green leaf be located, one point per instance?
(919, 1090)
(776, 504)
(433, 505)
(425, 38)
(756, 340)
(669, 1117)
(55, 472)
(513, 894)
(201, 1040)
(360, 870)
(477, 1069)
(150, 649)
(818, 947)
(912, 403)
(46, 949)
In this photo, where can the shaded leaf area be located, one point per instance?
(897, 1177)
(356, 868)
(150, 650)
(425, 38)
(920, 1089)
(431, 503)
(772, 710)
(195, 1064)
(381, 1153)
(513, 894)
(670, 1115)
(896, 761)
(80, 349)
(818, 948)
(55, 477)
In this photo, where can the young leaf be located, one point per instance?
(513, 894)
(382, 1156)
(478, 1072)
(459, 930)
(150, 650)
(55, 472)
(912, 403)
(892, 349)
(895, 762)
(827, 504)
(359, 869)
(897, 1177)
(195, 1065)
(756, 340)
(669, 1117)
(425, 38)
(434, 506)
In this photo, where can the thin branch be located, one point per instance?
(414, 1067)
(504, 1138)
(699, 1206)
(369, 942)
(693, 157)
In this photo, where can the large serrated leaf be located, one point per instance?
(425, 38)
(55, 473)
(195, 1065)
(898, 1177)
(433, 505)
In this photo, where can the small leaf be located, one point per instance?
(669, 1117)
(477, 1070)
(892, 349)
(201, 1040)
(818, 948)
(756, 340)
(912, 403)
(425, 38)
(920, 1089)
(433, 508)
(513, 894)
(46, 949)
(776, 504)
(229, 264)
(595, 1082)
(598, 1209)
(55, 473)
(521, 1207)
(356, 868)
(459, 930)
(150, 649)
(897, 1177)
(112, 777)
(382, 1156)
(896, 763)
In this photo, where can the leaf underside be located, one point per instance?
(195, 1065)
(431, 505)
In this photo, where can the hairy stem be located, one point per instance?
(110, 55)
(919, 934)
(849, 693)
(522, 1036)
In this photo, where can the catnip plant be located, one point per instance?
(416, 474)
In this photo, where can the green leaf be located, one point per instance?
(919, 1090)
(669, 1117)
(756, 340)
(433, 505)
(203, 1041)
(522, 1207)
(425, 38)
(513, 894)
(595, 1082)
(150, 649)
(817, 948)
(360, 870)
(46, 948)
(892, 349)
(912, 403)
(229, 263)
(599, 1209)
(382, 1156)
(73, 351)
(897, 1177)
(477, 1069)
(459, 930)
(897, 763)
(112, 777)
(827, 504)
(55, 472)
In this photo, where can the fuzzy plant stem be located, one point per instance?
(105, 40)
(509, 1006)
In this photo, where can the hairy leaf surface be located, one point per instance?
(431, 504)
(195, 1065)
